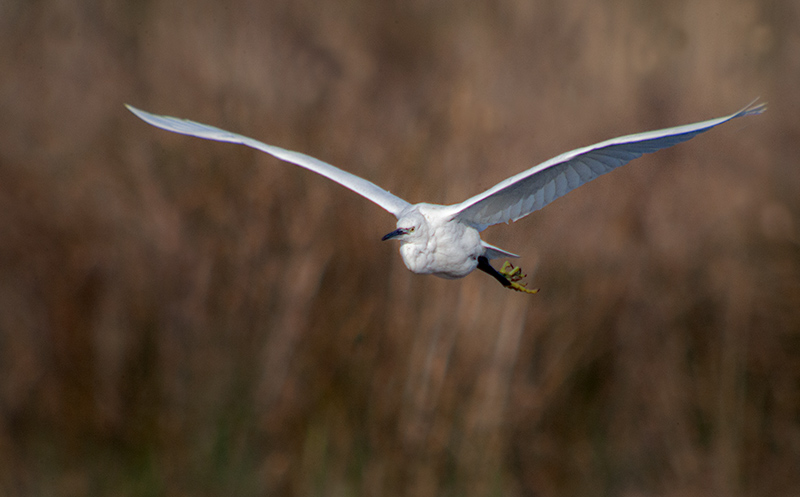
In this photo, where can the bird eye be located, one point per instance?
(411, 229)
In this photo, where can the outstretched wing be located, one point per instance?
(371, 191)
(530, 190)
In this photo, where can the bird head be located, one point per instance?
(410, 228)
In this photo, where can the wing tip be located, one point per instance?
(141, 114)
(753, 108)
(132, 108)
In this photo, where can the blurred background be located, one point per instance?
(180, 317)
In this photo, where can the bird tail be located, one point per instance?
(493, 252)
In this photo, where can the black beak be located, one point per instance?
(393, 234)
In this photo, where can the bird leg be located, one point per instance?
(509, 276)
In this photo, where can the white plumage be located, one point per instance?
(444, 240)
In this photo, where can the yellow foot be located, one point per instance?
(514, 275)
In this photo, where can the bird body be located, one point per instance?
(444, 240)
(432, 242)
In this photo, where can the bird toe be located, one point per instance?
(514, 275)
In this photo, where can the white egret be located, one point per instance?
(444, 240)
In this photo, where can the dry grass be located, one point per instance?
(188, 318)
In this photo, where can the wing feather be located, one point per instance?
(367, 189)
(530, 190)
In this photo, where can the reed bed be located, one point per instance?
(179, 317)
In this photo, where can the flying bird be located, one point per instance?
(444, 240)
